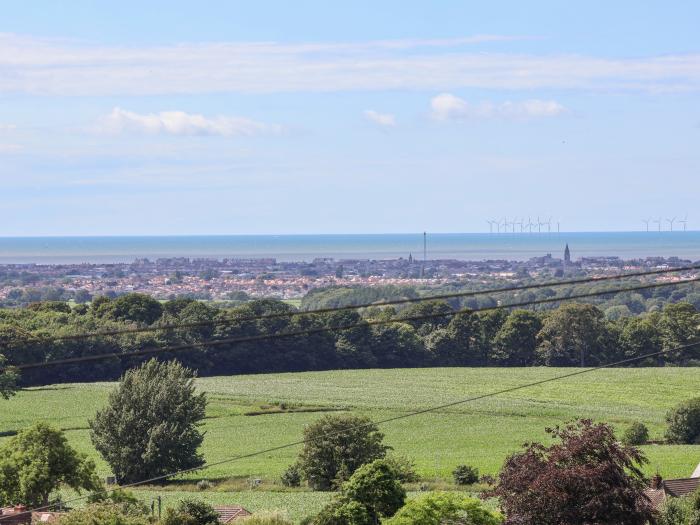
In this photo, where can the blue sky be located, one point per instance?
(321, 117)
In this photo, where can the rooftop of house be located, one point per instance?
(661, 489)
(229, 513)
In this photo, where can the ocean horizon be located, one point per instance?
(462, 246)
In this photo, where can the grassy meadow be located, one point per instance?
(480, 433)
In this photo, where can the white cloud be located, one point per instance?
(181, 123)
(383, 119)
(9, 148)
(446, 106)
(7, 127)
(60, 67)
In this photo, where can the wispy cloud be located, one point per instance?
(450, 107)
(9, 148)
(60, 67)
(382, 119)
(181, 123)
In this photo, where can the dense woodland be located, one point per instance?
(571, 334)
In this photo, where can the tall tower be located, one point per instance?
(567, 254)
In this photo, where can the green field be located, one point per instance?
(480, 433)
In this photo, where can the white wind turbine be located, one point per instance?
(646, 221)
(684, 222)
(670, 223)
(658, 221)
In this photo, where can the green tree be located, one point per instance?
(150, 426)
(376, 485)
(191, 512)
(135, 307)
(679, 325)
(37, 461)
(575, 334)
(684, 423)
(335, 446)
(640, 336)
(343, 512)
(515, 342)
(439, 508)
(8, 379)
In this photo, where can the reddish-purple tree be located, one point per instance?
(586, 477)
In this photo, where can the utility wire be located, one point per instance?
(392, 302)
(313, 331)
(680, 348)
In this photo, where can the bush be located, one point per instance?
(343, 512)
(102, 514)
(684, 423)
(438, 508)
(204, 484)
(465, 475)
(191, 512)
(292, 476)
(336, 446)
(636, 434)
(266, 518)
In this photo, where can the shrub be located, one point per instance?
(191, 512)
(292, 476)
(684, 423)
(636, 434)
(102, 514)
(150, 425)
(335, 446)
(204, 484)
(438, 508)
(465, 475)
(266, 518)
(343, 512)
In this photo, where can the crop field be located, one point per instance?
(480, 433)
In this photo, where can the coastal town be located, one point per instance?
(231, 279)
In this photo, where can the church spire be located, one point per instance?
(567, 254)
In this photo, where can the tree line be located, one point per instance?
(569, 335)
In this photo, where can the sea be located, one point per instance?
(462, 246)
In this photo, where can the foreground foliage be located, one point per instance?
(587, 477)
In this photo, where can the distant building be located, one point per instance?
(567, 254)
(231, 513)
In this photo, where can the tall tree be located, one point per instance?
(587, 477)
(336, 446)
(516, 341)
(150, 426)
(36, 462)
(574, 334)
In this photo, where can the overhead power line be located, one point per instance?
(324, 329)
(414, 413)
(392, 302)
